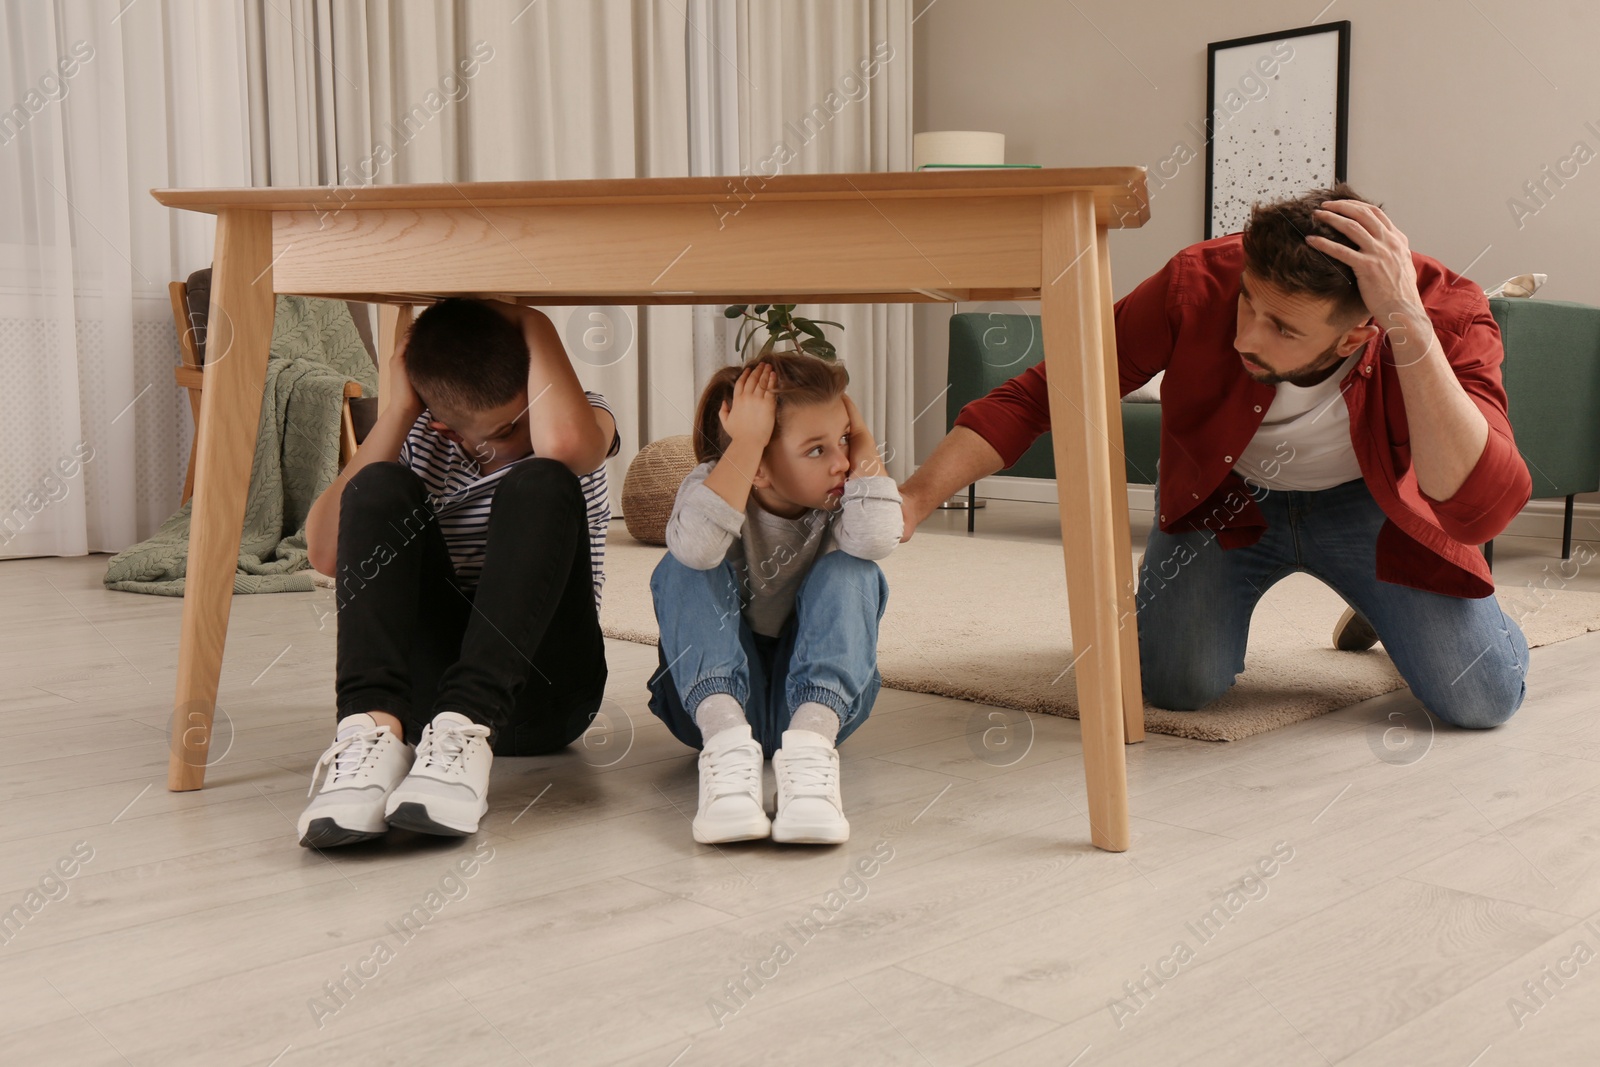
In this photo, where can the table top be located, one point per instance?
(1120, 193)
(885, 236)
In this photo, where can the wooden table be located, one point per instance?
(963, 235)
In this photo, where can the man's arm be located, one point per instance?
(1448, 432)
(562, 423)
(961, 459)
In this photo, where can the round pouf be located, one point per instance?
(651, 485)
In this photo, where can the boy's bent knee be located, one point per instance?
(547, 480)
(383, 485)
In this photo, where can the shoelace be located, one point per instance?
(809, 772)
(350, 752)
(449, 741)
(733, 772)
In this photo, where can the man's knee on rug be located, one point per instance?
(1185, 687)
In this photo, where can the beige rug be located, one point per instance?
(985, 619)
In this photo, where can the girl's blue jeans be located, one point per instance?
(827, 651)
(1464, 659)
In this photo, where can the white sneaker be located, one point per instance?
(447, 791)
(730, 789)
(368, 761)
(809, 809)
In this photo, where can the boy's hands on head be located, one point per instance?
(864, 459)
(753, 414)
(402, 396)
(517, 314)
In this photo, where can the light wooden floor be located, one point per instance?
(1421, 896)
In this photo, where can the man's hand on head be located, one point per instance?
(1381, 260)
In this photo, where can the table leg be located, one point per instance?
(1076, 369)
(1127, 610)
(239, 333)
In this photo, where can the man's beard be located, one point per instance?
(1320, 370)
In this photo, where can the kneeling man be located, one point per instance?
(1332, 404)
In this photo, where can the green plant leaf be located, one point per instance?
(826, 322)
(809, 327)
(761, 309)
(733, 311)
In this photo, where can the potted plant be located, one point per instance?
(781, 324)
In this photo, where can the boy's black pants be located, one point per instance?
(521, 654)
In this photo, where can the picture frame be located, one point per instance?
(1278, 108)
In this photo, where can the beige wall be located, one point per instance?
(1449, 117)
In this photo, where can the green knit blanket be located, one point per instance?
(315, 350)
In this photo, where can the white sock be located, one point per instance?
(818, 718)
(716, 713)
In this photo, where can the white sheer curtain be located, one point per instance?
(98, 104)
(102, 101)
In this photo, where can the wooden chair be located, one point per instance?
(189, 315)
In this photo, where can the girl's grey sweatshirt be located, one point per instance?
(770, 554)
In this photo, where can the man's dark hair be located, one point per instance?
(1276, 251)
(464, 356)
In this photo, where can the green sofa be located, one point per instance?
(1552, 378)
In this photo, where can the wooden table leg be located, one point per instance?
(238, 335)
(1076, 368)
(1127, 610)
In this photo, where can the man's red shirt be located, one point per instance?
(1182, 320)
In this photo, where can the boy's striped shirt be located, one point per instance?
(461, 497)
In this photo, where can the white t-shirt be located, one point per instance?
(1304, 438)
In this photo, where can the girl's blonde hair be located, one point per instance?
(801, 379)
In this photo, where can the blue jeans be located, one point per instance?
(1464, 659)
(827, 651)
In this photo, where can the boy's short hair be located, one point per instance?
(464, 356)
(1276, 251)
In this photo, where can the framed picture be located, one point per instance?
(1279, 105)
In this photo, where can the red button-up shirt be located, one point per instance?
(1182, 320)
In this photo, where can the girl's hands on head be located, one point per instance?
(864, 459)
(754, 409)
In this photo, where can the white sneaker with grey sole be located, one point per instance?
(447, 791)
(364, 764)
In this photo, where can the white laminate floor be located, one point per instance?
(1308, 896)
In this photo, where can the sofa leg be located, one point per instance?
(1488, 555)
(1566, 530)
(972, 509)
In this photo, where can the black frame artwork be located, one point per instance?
(1271, 76)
